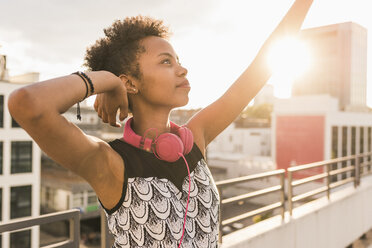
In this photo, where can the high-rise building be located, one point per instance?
(339, 65)
(19, 173)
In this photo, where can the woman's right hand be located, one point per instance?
(108, 103)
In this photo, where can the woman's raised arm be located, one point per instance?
(38, 108)
(213, 119)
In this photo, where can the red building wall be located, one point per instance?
(300, 139)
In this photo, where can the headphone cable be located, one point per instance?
(188, 198)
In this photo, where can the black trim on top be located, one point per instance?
(144, 164)
(123, 193)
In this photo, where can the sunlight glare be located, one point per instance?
(289, 55)
(288, 59)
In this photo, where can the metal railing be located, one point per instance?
(226, 183)
(72, 215)
(358, 166)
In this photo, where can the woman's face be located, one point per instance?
(163, 81)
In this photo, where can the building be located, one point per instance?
(62, 190)
(308, 129)
(251, 141)
(243, 148)
(339, 65)
(19, 172)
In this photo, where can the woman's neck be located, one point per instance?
(156, 121)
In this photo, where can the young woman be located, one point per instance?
(150, 201)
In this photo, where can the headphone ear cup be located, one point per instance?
(187, 138)
(168, 147)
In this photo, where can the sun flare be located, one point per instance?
(288, 59)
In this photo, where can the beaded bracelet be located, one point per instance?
(85, 82)
(85, 78)
(89, 81)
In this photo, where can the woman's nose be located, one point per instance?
(182, 71)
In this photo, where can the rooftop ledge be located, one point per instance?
(320, 223)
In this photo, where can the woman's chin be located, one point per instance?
(180, 104)
(185, 102)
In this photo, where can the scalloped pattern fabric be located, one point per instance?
(153, 211)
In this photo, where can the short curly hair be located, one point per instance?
(118, 51)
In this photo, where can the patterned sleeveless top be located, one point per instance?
(152, 207)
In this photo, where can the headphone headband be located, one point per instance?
(166, 146)
(132, 138)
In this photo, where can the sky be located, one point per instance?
(214, 39)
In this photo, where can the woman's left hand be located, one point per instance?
(108, 103)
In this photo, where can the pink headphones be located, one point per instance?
(167, 146)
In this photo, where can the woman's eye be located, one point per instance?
(166, 61)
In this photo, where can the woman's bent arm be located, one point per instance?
(38, 108)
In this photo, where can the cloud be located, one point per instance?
(58, 32)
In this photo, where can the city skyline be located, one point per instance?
(209, 36)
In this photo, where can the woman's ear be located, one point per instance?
(129, 84)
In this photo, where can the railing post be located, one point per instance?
(220, 217)
(282, 184)
(328, 180)
(290, 192)
(105, 242)
(75, 230)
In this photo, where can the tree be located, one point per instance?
(262, 111)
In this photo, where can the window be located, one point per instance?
(334, 150)
(361, 140)
(255, 134)
(92, 198)
(353, 147)
(21, 161)
(361, 146)
(1, 206)
(353, 140)
(344, 141)
(48, 194)
(369, 139)
(1, 157)
(1, 111)
(14, 123)
(20, 239)
(77, 200)
(334, 142)
(20, 201)
(344, 149)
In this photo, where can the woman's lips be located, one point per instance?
(184, 84)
